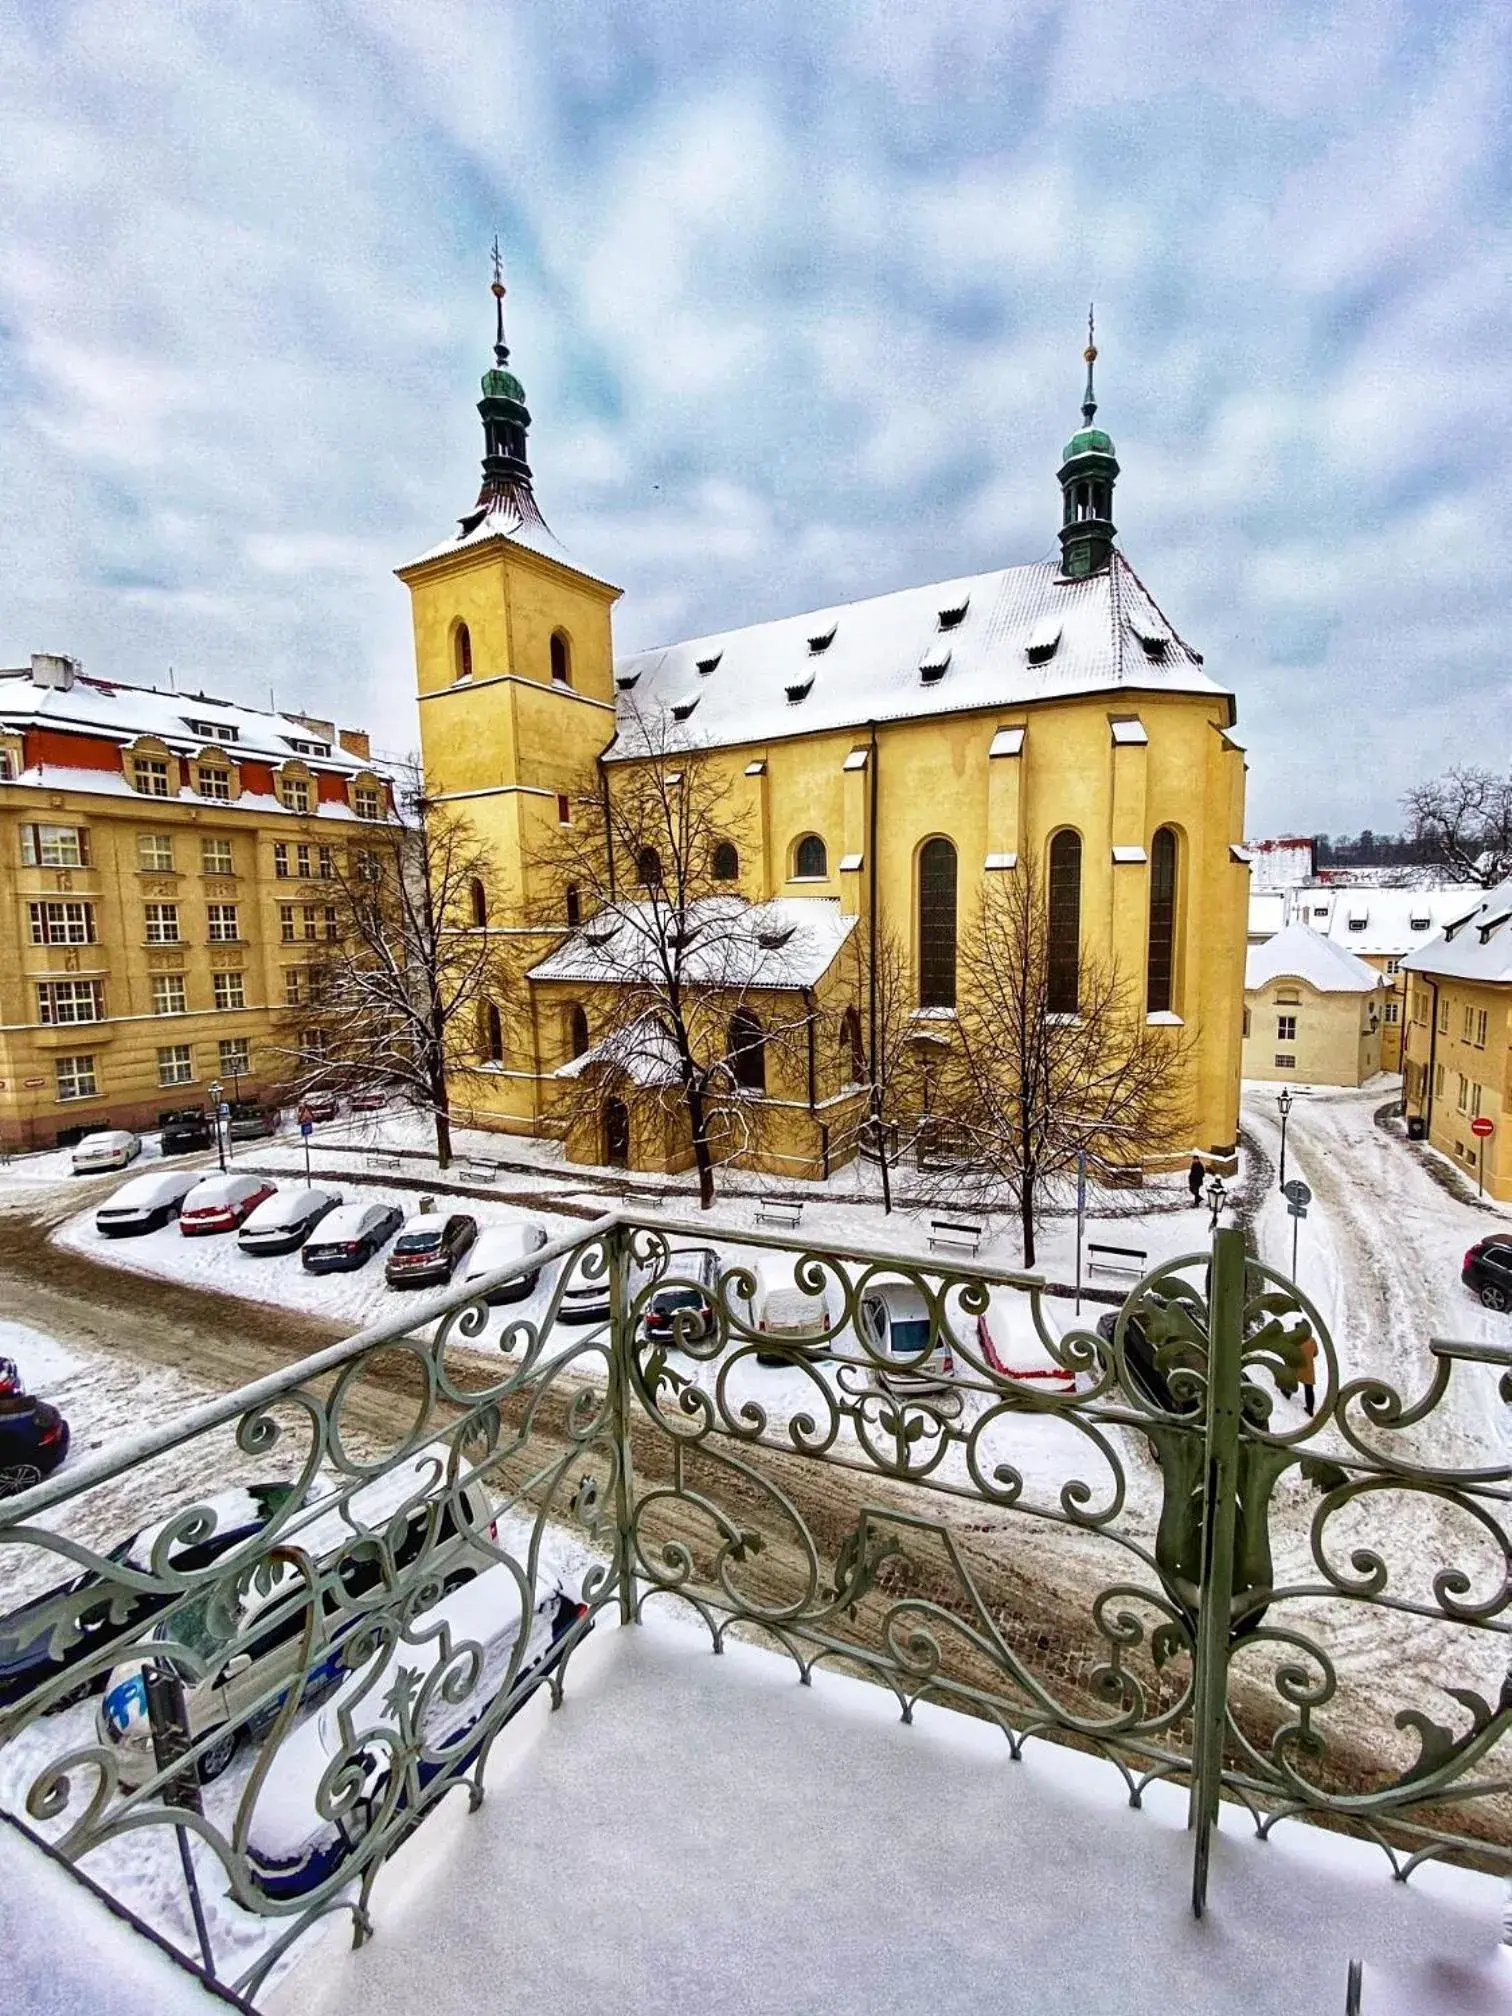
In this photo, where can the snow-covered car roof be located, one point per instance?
(155, 1186)
(104, 1137)
(228, 1189)
(497, 1245)
(285, 1207)
(347, 1221)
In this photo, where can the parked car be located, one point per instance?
(504, 1246)
(221, 1203)
(110, 1148)
(284, 1221)
(29, 1653)
(367, 1102)
(146, 1203)
(1139, 1356)
(185, 1131)
(33, 1441)
(698, 1270)
(896, 1323)
(350, 1237)
(245, 1644)
(428, 1249)
(250, 1122)
(1487, 1270)
(319, 1106)
(586, 1297)
(291, 1847)
(799, 1322)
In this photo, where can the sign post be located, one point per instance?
(1482, 1127)
(306, 1128)
(1081, 1218)
(1298, 1197)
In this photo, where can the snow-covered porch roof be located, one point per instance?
(702, 1834)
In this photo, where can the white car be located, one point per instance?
(499, 1246)
(111, 1148)
(291, 1847)
(797, 1323)
(145, 1203)
(896, 1323)
(284, 1221)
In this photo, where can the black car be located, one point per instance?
(250, 1122)
(185, 1130)
(350, 1237)
(699, 1269)
(1139, 1357)
(33, 1442)
(1487, 1270)
(426, 1252)
(27, 1654)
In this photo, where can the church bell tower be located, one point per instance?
(1088, 471)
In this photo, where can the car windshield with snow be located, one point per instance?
(146, 1202)
(500, 1246)
(349, 1237)
(284, 1221)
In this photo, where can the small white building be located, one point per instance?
(1313, 1013)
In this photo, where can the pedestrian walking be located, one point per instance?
(1196, 1177)
(1307, 1344)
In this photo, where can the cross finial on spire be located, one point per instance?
(1089, 398)
(501, 350)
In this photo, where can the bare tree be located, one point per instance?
(881, 1048)
(402, 969)
(1052, 1057)
(1463, 821)
(694, 997)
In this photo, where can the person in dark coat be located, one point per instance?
(1196, 1177)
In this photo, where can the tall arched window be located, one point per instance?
(577, 1029)
(492, 1032)
(479, 898)
(1161, 959)
(745, 1046)
(648, 868)
(561, 659)
(1063, 963)
(852, 1050)
(462, 652)
(809, 858)
(726, 862)
(574, 907)
(937, 924)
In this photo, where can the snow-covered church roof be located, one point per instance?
(791, 941)
(1003, 639)
(1477, 945)
(1298, 953)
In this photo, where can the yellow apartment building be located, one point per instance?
(1458, 1034)
(1313, 1013)
(166, 871)
(882, 761)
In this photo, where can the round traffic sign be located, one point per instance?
(1298, 1192)
(1482, 1125)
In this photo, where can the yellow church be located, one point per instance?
(883, 760)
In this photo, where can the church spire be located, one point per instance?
(1089, 469)
(1089, 397)
(506, 423)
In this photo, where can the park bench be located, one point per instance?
(474, 1171)
(953, 1235)
(1115, 1259)
(779, 1211)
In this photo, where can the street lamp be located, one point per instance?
(216, 1090)
(1215, 1196)
(1283, 1107)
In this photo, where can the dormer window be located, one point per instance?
(213, 731)
(625, 680)
(934, 665)
(296, 794)
(1043, 638)
(822, 639)
(1420, 923)
(681, 709)
(707, 665)
(952, 618)
(307, 748)
(771, 937)
(1152, 637)
(799, 690)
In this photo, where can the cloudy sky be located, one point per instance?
(796, 291)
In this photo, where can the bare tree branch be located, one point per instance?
(1463, 821)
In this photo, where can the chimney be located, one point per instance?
(51, 668)
(357, 742)
(323, 731)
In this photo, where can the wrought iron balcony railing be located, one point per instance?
(248, 1652)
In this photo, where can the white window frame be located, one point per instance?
(222, 925)
(216, 857)
(58, 1001)
(235, 1054)
(154, 769)
(1286, 1028)
(165, 985)
(161, 921)
(215, 783)
(62, 923)
(76, 1077)
(175, 1062)
(155, 854)
(44, 846)
(221, 983)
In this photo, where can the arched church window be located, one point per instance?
(478, 896)
(577, 1029)
(1160, 958)
(493, 1034)
(561, 659)
(1063, 961)
(937, 924)
(574, 906)
(810, 860)
(745, 1046)
(462, 652)
(648, 868)
(726, 862)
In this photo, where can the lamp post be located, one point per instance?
(1215, 1196)
(1283, 1107)
(216, 1090)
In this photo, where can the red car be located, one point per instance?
(221, 1203)
(368, 1102)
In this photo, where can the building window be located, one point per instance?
(214, 782)
(1286, 1028)
(368, 865)
(745, 1047)
(648, 868)
(462, 652)
(810, 861)
(1443, 1018)
(577, 1030)
(1284, 1062)
(1463, 1099)
(574, 906)
(235, 1054)
(223, 925)
(478, 897)
(726, 863)
(1161, 951)
(302, 861)
(281, 860)
(564, 809)
(1438, 1082)
(1480, 1029)
(365, 802)
(852, 1051)
(70, 1001)
(1063, 935)
(7, 767)
(1393, 1012)
(176, 1064)
(294, 987)
(492, 1033)
(1393, 966)
(155, 853)
(216, 858)
(561, 659)
(76, 1078)
(296, 794)
(62, 923)
(1469, 1023)
(230, 990)
(286, 932)
(150, 775)
(937, 924)
(54, 847)
(162, 923)
(1475, 1100)
(1246, 1021)
(325, 862)
(168, 997)
(328, 929)
(1358, 923)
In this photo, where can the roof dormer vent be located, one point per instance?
(706, 665)
(799, 690)
(625, 680)
(822, 639)
(954, 616)
(1043, 638)
(681, 709)
(934, 665)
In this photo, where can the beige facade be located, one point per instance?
(1459, 1068)
(1297, 1034)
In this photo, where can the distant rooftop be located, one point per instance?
(1301, 954)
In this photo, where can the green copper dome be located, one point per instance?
(502, 385)
(1089, 441)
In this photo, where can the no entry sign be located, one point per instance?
(1482, 1126)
